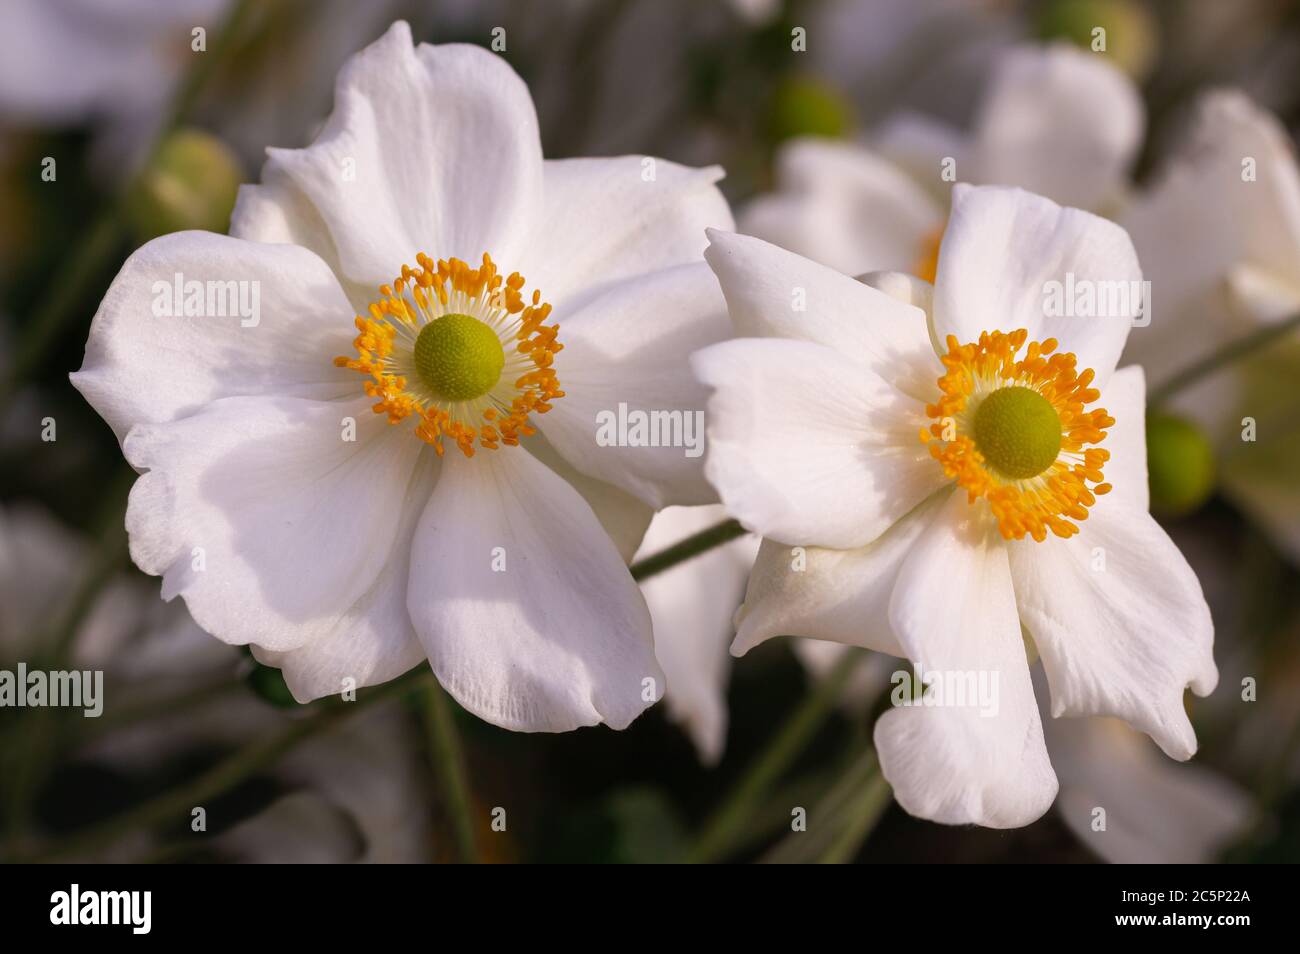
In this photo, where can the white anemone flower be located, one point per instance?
(1054, 120)
(351, 497)
(1219, 238)
(934, 451)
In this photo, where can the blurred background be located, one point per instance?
(113, 130)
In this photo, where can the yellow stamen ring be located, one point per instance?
(1007, 452)
(458, 349)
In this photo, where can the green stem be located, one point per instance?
(830, 812)
(1233, 351)
(726, 823)
(859, 817)
(177, 802)
(684, 550)
(449, 768)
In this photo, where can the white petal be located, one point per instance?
(277, 212)
(1001, 250)
(372, 641)
(561, 638)
(142, 367)
(624, 517)
(844, 206)
(264, 518)
(692, 605)
(954, 613)
(919, 374)
(1060, 122)
(429, 148)
(904, 287)
(1157, 811)
(1120, 622)
(606, 220)
(627, 350)
(772, 293)
(808, 447)
(1126, 471)
(839, 595)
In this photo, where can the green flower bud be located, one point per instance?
(190, 184)
(1131, 36)
(1180, 465)
(802, 106)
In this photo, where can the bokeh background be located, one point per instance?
(149, 136)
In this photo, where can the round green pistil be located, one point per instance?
(458, 357)
(1018, 432)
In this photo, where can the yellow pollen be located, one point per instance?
(1060, 493)
(386, 354)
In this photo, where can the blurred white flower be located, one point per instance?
(692, 606)
(1156, 811)
(131, 56)
(1053, 120)
(357, 792)
(940, 547)
(756, 12)
(64, 62)
(925, 53)
(1219, 239)
(341, 542)
(42, 561)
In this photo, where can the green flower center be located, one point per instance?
(1018, 432)
(458, 357)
